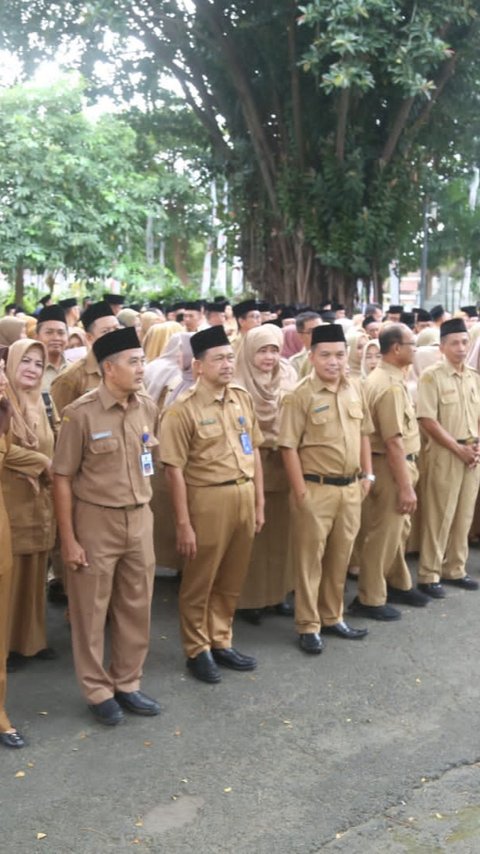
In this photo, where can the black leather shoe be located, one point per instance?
(138, 703)
(251, 615)
(433, 589)
(284, 609)
(374, 612)
(233, 659)
(12, 739)
(311, 642)
(466, 583)
(108, 713)
(412, 597)
(204, 668)
(47, 654)
(343, 630)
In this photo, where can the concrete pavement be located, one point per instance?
(370, 747)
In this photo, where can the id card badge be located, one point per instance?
(245, 439)
(146, 463)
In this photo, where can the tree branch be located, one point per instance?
(342, 124)
(295, 87)
(396, 131)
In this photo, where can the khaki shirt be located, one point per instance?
(325, 426)
(99, 446)
(301, 363)
(77, 379)
(450, 397)
(201, 434)
(391, 409)
(51, 372)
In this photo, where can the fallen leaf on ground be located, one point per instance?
(43, 713)
(228, 789)
(147, 743)
(20, 774)
(41, 835)
(178, 732)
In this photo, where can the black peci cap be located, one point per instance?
(114, 299)
(51, 312)
(327, 333)
(456, 324)
(242, 308)
(70, 302)
(214, 336)
(115, 342)
(94, 312)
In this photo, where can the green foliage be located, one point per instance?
(331, 120)
(71, 198)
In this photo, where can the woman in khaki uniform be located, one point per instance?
(166, 377)
(8, 734)
(26, 488)
(267, 378)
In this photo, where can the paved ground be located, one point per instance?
(374, 746)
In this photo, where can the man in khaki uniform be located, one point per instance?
(448, 408)
(395, 443)
(305, 323)
(52, 332)
(102, 467)
(84, 375)
(324, 429)
(247, 314)
(209, 444)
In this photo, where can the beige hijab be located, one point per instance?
(158, 337)
(11, 329)
(28, 408)
(354, 358)
(266, 390)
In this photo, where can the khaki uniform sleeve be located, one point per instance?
(390, 413)
(367, 423)
(175, 437)
(292, 422)
(427, 397)
(63, 391)
(25, 461)
(67, 459)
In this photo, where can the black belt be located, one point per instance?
(473, 441)
(330, 481)
(237, 482)
(125, 507)
(412, 458)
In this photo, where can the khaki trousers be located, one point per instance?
(27, 632)
(324, 527)
(223, 518)
(382, 558)
(5, 579)
(118, 581)
(449, 491)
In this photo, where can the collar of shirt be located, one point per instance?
(396, 373)
(452, 370)
(63, 364)
(108, 401)
(321, 385)
(91, 364)
(206, 395)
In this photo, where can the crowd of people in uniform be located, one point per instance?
(264, 453)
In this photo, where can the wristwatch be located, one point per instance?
(370, 477)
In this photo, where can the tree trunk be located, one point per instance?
(19, 285)
(179, 260)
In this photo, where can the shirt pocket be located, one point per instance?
(355, 410)
(104, 447)
(323, 423)
(208, 437)
(448, 399)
